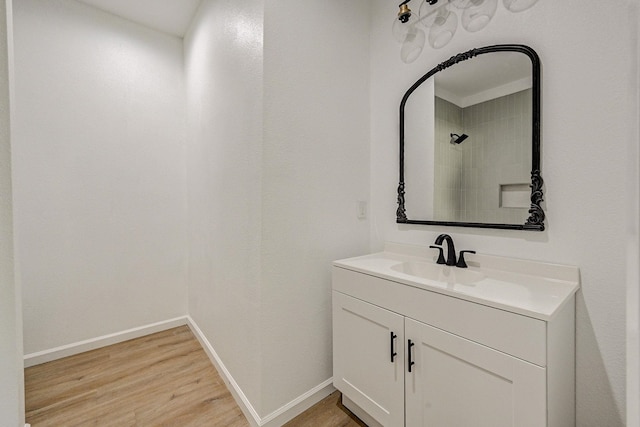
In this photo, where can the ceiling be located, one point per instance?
(484, 73)
(169, 16)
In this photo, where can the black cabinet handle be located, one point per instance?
(393, 353)
(411, 362)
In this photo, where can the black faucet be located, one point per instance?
(451, 253)
(451, 249)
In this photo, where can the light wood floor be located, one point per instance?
(329, 412)
(164, 379)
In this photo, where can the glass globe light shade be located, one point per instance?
(463, 4)
(443, 31)
(432, 14)
(412, 45)
(400, 29)
(518, 5)
(478, 16)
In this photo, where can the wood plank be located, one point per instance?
(328, 412)
(163, 379)
(160, 379)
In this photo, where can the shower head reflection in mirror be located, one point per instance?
(457, 139)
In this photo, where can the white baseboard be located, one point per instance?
(277, 417)
(237, 393)
(37, 358)
(298, 405)
(274, 419)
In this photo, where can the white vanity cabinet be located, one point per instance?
(472, 364)
(457, 382)
(364, 338)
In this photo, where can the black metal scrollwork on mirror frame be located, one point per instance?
(427, 193)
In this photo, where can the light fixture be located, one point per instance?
(477, 16)
(440, 19)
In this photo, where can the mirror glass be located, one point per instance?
(468, 143)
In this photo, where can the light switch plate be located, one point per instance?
(361, 209)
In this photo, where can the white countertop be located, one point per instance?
(530, 288)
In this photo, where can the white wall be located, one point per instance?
(315, 169)
(223, 66)
(588, 87)
(421, 138)
(11, 375)
(278, 155)
(100, 179)
(278, 158)
(99, 173)
(633, 259)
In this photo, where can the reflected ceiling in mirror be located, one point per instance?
(469, 142)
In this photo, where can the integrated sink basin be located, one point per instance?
(439, 273)
(531, 288)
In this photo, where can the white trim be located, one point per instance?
(298, 405)
(237, 393)
(280, 415)
(37, 358)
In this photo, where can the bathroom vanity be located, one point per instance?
(421, 344)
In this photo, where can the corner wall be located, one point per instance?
(11, 368)
(588, 89)
(315, 169)
(633, 249)
(99, 173)
(278, 158)
(223, 66)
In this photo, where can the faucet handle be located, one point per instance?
(461, 262)
(440, 256)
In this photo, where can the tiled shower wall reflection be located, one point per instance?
(498, 152)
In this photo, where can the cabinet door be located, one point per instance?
(459, 383)
(363, 369)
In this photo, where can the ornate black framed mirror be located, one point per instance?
(470, 142)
